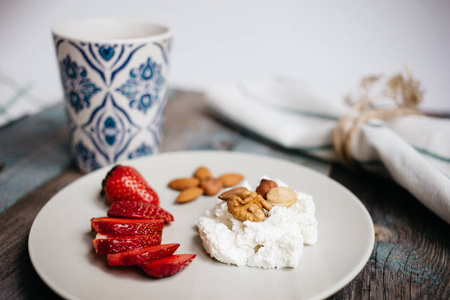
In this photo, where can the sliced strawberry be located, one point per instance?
(138, 210)
(126, 183)
(167, 266)
(108, 225)
(141, 256)
(114, 243)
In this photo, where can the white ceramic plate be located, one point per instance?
(60, 241)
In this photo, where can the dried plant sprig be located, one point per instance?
(404, 91)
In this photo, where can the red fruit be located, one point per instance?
(141, 256)
(126, 183)
(167, 266)
(107, 225)
(138, 210)
(114, 243)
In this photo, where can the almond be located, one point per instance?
(264, 186)
(230, 193)
(281, 196)
(211, 185)
(189, 194)
(180, 184)
(202, 172)
(230, 179)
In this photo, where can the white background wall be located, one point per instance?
(329, 45)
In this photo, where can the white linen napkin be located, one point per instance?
(21, 99)
(414, 150)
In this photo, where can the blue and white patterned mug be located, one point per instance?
(114, 75)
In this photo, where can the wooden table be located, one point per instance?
(410, 259)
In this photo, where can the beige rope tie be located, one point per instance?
(406, 94)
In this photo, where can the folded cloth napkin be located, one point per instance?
(414, 150)
(18, 99)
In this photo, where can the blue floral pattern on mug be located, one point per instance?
(78, 89)
(110, 129)
(143, 86)
(86, 157)
(106, 51)
(142, 150)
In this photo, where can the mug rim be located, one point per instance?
(58, 30)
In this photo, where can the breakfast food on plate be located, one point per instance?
(210, 186)
(168, 266)
(230, 179)
(108, 225)
(138, 210)
(264, 186)
(131, 234)
(142, 255)
(248, 206)
(265, 228)
(113, 243)
(189, 194)
(202, 172)
(180, 184)
(202, 183)
(126, 183)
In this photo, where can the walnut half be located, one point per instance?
(248, 206)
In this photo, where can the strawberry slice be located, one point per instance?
(114, 243)
(141, 256)
(167, 266)
(138, 210)
(107, 225)
(126, 183)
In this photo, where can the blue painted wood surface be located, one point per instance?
(32, 151)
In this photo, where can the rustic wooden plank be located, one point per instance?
(18, 279)
(411, 256)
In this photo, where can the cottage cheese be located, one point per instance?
(276, 242)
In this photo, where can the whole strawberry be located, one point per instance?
(126, 183)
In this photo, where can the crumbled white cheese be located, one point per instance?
(276, 242)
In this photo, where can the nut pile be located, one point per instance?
(245, 205)
(202, 183)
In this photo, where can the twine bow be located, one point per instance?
(403, 91)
